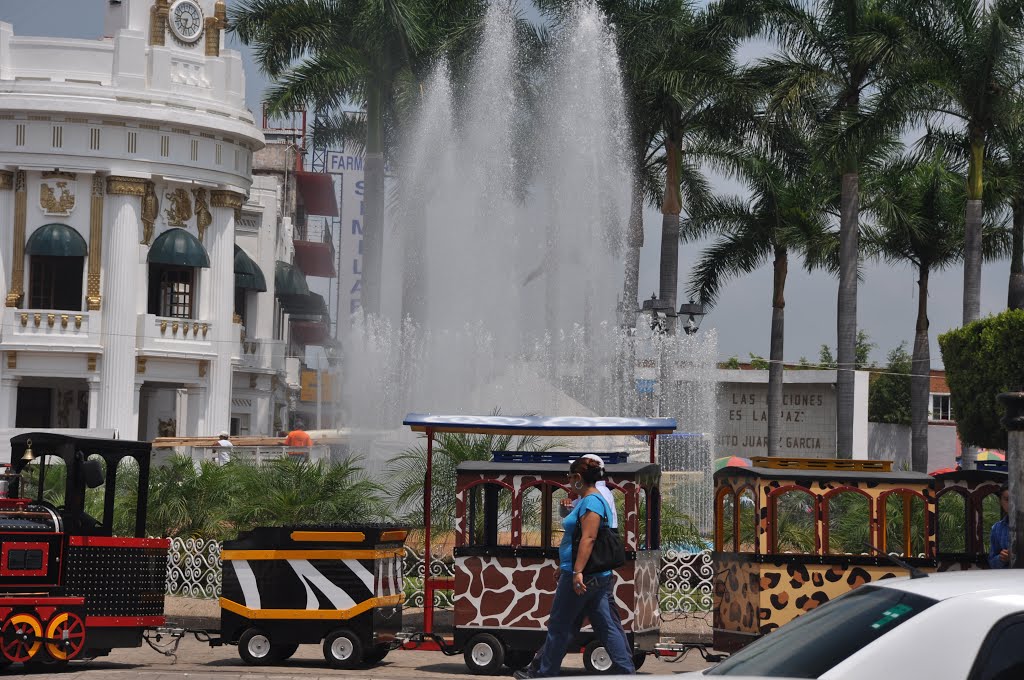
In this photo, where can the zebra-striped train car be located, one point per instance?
(286, 586)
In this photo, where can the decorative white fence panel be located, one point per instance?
(194, 570)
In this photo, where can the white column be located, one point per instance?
(6, 244)
(118, 405)
(94, 403)
(220, 242)
(197, 410)
(8, 400)
(263, 416)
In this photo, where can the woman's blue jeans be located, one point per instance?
(567, 613)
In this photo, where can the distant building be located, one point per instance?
(140, 263)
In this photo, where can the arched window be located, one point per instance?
(951, 525)
(793, 521)
(991, 512)
(725, 521)
(489, 510)
(173, 259)
(746, 509)
(848, 523)
(56, 259)
(558, 494)
(904, 523)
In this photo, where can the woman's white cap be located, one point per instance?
(591, 456)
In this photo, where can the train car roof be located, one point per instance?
(490, 467)
(549, 426)
(832, 475)
(972, 476)
(56, 439)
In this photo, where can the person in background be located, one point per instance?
(578, 596)
(298, 437)
(999, 542)
(223, 456)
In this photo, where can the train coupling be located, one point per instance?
(426, 642)
(672, 651)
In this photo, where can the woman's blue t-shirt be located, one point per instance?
(593, 503)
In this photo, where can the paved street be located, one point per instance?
(198, 661)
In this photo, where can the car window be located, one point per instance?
(821, 639)
(1002, 656)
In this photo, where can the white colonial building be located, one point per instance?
(137, 274)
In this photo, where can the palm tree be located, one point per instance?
(1006, 179)
(785, 213)
(918, 205)
(328, 53)
(968, 69)
(833, 57)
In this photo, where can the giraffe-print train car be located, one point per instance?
(792, 534)
(506, 557)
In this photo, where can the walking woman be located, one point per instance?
(578, 595)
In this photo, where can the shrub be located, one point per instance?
(983, 359)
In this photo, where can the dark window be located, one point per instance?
(55, 283)
(490, 515)
(1002, 655)
(171, 291)
(824, 637)
(240, 300)
(25, 560)
(34, 408)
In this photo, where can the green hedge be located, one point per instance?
(983, 359)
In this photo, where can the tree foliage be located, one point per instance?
(889, 391)
(983, 359)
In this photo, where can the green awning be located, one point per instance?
(178, 247)
(57, 240)
(248, 274)
(289, 281)
(305, 305)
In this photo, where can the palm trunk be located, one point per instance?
(634, 242)
(1015, 295)
(972, 234)
(670, 208)
(846, 317)
(776, 372)
(373, 227)
(920, 381)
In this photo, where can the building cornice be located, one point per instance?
(126, 186)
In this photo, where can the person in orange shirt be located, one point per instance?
(298, 437)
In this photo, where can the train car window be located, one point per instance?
(795, 522)
(643, 517)
(951, 525)
(991, 512)
(849, 523)
(904, 522)
(557, 496)
(745, 506)
(725, 514)
(490, 515)
(126, 479)
(532, 517)
(653, 519)
(94, 497)
(48, 471)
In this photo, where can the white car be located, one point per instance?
(949, 626)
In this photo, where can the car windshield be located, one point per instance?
(821, 639)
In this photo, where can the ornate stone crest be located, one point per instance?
(180, 210)
(57, 199)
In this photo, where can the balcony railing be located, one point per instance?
(47, 327)
(168, 334)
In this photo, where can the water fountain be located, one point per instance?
(503, 293)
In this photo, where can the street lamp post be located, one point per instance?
(695, 313)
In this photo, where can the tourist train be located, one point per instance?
(790, 534)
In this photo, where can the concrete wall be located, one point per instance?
(892, 442)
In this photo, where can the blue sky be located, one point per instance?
(887, 299)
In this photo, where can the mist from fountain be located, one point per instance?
(512, 219)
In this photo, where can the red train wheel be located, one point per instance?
(19, 638)
(68, 630)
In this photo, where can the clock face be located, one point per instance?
(186, 20)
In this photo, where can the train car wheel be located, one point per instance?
(484, 654)
(596, 658)
(375, 655)
(343, 649)
(69, 631)
(280, 651)
(254, 647)
(19, 638)
(638, 659)
(518, 658)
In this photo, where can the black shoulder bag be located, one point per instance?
(608, 552)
